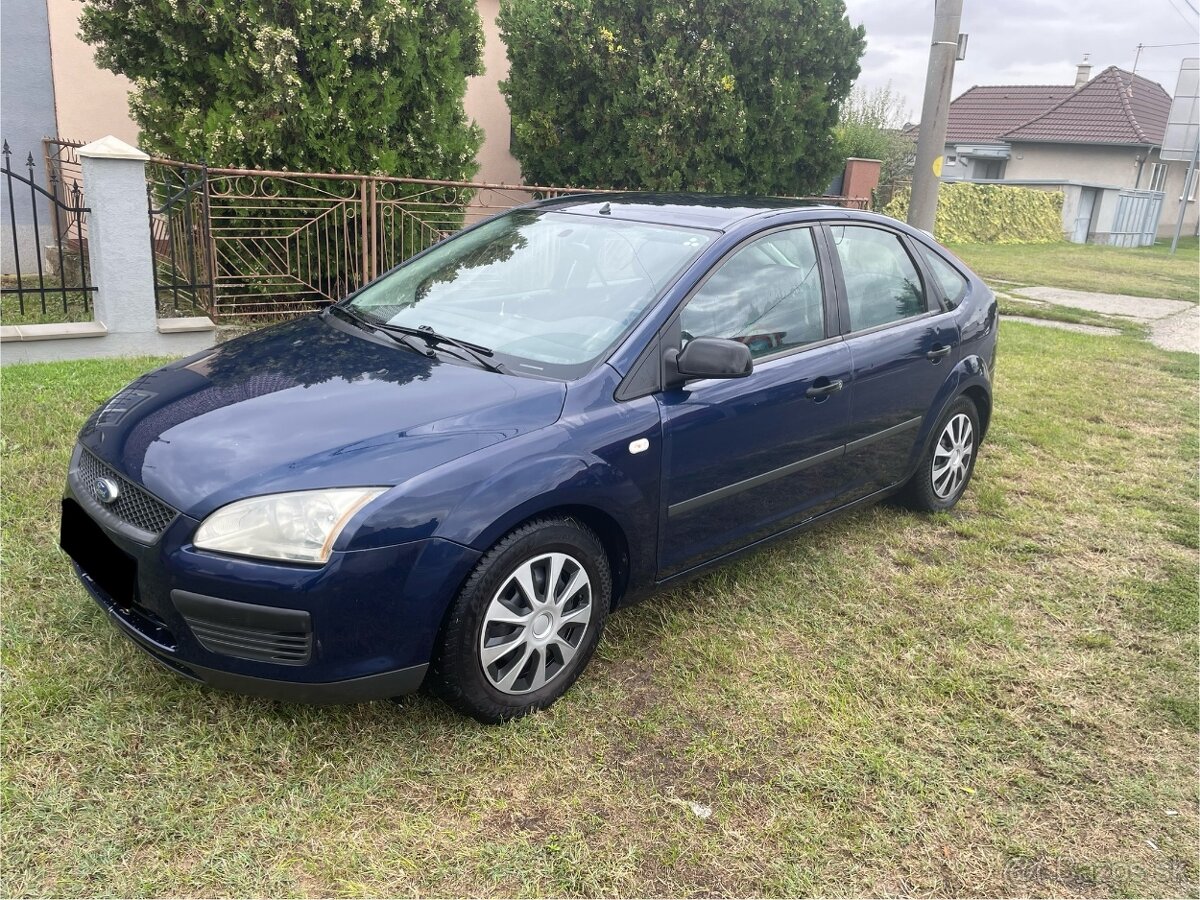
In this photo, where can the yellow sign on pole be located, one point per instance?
(937, 167)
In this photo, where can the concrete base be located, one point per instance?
(89, 340)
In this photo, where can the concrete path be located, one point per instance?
(1066, 326)
(1174, 324)
(1143, 309)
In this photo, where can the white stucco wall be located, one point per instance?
(1117, 166)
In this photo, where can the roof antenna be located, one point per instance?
(606, 209)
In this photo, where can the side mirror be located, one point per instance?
(708, 357)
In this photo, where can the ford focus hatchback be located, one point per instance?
(452, 477)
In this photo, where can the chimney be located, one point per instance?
(1084, 73)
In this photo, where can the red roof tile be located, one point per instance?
(986, 112)
(1115, 107)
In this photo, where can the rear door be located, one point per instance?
(903, 343)
(747, 457)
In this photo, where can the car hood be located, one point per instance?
(308, 404)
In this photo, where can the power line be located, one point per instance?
(1180, 12)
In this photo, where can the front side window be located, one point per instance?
(548, 292)
(767, 295)
(882, 284)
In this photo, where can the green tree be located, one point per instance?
(679, 94)
(321, 85)
(870, 128)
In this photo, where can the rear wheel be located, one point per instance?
(948, 463)
(526, 622)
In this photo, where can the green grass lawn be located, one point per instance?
(997, 701)
(1140, 272)
(57, 305)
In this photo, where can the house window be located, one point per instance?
(1195, 181)
(951, 160)
(1158, 176)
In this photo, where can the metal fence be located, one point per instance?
(252, 244)
(1135, 223)
(61, 156)
(44, 249)
(180, 241)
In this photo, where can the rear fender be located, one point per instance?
(969, 375)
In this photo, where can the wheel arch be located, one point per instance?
(610, 532)
(983, 403)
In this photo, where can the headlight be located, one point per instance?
(297, 527)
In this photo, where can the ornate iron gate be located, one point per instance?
(285, 243)
(177, 203)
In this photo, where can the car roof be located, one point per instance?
(694, 210)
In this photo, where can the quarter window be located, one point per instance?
(767, 296)
(882, 284)
(951, 284)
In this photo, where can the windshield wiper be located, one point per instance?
(365, 323)
(475, 352)
(403, 334)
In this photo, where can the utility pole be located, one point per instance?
(935, 111)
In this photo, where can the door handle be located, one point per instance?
(824, 390)
(938, 353)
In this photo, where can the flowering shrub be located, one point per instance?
(371, 86)
(680, 95)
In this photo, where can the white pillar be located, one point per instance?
(122, 259)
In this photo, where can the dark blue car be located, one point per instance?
(452, 477)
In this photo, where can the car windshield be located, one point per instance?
(547, 292)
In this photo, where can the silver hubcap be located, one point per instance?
(952, 456)
(535, 623)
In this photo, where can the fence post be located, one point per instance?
(114, 179)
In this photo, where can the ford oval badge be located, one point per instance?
(107, 490)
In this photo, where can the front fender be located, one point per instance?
(583, 462)
(517, 494)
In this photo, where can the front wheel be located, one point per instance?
(947, 465)
(526, 622)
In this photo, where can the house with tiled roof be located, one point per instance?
(1096, 140)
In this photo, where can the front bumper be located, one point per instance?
(361, 627)
(350, 690)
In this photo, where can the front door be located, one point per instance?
(746, 458)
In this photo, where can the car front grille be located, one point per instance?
(133, 505)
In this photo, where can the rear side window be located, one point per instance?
(953, 286)
(767, 295)
(882, 283)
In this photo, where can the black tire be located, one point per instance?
(924, 492)
(458, 673)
